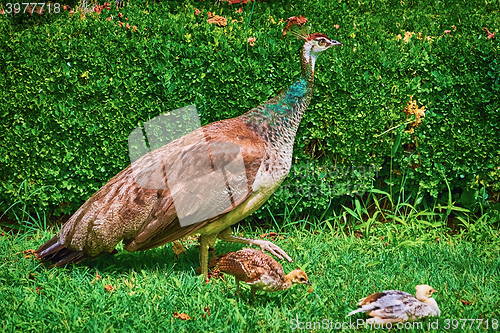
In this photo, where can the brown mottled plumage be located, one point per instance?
(137, 205)
(257, 269)
(397, 306)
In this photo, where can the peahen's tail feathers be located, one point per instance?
(58, 254)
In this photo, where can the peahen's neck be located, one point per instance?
(278, 119)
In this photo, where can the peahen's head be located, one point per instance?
(314, 45)
(317, 43)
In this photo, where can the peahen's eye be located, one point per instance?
(321, 42)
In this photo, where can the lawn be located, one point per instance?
(149, 288)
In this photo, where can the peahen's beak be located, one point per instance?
(334, 42)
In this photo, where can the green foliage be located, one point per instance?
(72, 89)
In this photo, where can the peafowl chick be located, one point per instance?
(396, 306)
(258, 270)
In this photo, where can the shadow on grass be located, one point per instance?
(162, 258)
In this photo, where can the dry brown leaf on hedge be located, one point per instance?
(294, 20)
(109, 288)
(39, 10)
(181, 316)
(413, 109)
(489, 35)
(178, 248)
(29, 9)
(218, 20)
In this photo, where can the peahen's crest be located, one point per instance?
(297, 26)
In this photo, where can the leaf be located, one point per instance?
(468, 197)
(97, 277)
(397, 142)
(181, 316)
(178, 248)
(177, 282)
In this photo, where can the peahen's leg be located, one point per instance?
(238, 289)
(227, 236)
(206, 241)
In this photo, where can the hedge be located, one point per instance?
(73, 86)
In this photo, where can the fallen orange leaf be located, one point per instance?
(28, 253)
(97, 277)
(207, 310)
(465, 302)
(181, 316)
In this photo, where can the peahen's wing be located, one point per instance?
(197, 177)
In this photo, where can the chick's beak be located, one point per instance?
(434, 290)
(308, 283)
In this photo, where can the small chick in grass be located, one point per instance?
(258, 270)
(396, 306)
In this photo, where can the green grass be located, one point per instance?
(150, 286)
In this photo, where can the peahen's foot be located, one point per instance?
(227, 236)
(272, 248)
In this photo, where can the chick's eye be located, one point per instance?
(322, 42)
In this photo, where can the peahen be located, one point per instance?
(253, 152)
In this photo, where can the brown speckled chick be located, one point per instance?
(257, 269)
